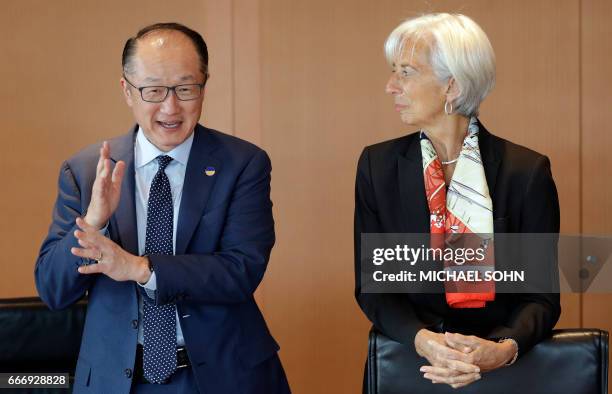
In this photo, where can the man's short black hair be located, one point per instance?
(194, 36)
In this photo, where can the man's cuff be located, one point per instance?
(151, 284)
(104, 230)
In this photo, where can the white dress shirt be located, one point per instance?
(146, 166)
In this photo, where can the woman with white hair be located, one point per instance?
(452, 176)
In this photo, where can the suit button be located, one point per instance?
(128, 373)
(134, 323)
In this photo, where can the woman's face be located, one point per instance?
(419, 96)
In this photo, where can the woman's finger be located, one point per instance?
(469, 341)
(457, 346)
(443, 353)
(462, 367)
(462, 378)
(439, 371)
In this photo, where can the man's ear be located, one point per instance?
(127, 92)
(452, 90)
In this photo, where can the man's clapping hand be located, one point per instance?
(106, 190)
(113, 261)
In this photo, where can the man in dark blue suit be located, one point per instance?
(177, 221)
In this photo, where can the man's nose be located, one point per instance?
(171, 104)
(392, 86)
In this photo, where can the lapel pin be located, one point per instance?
(209, 171)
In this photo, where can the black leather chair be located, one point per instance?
(572, 361)
(36, 339)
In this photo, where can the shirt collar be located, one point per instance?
(145, 151)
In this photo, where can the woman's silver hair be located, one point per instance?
(458, 48)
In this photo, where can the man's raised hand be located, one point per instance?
(106, 189)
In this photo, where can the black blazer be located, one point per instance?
(390, 198)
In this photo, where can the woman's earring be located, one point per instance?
(446, 110)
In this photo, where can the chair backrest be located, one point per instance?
(36, 339)
(572, 361)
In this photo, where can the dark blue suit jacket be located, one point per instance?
(224, 237)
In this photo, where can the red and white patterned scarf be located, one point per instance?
(466, 208)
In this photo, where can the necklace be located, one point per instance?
(450, 161)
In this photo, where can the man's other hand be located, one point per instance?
(113, 261)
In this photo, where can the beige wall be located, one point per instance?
(305, 80)
(596, 140)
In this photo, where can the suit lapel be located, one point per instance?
(491, 159)
(125, 215)
(412, 188)
(197, 186)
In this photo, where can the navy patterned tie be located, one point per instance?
(159, 321)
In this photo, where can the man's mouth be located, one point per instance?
(170, 125)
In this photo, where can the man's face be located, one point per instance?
(164, 58)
